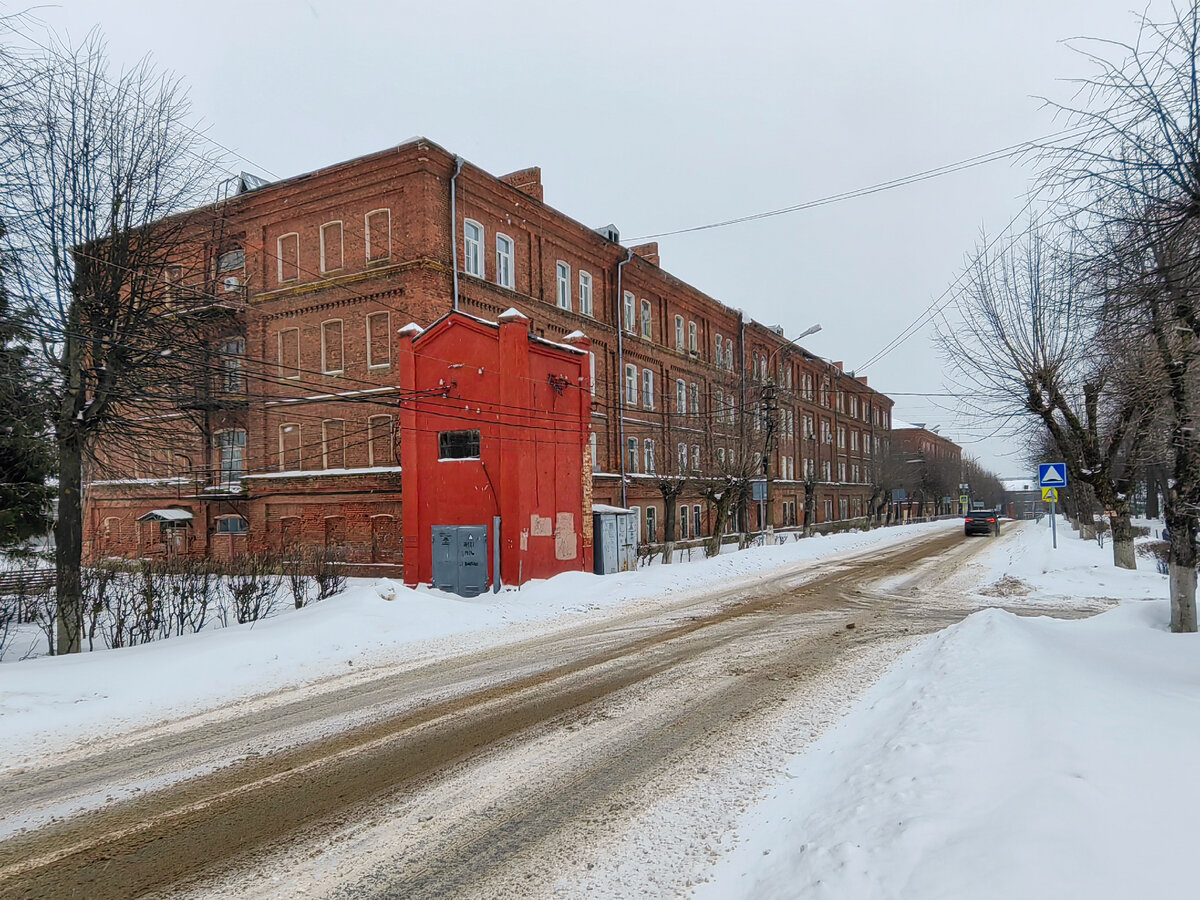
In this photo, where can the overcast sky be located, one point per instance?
(660, 116)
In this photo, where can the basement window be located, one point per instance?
(232, 525)
(458, 444)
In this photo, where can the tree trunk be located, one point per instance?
(1182, 570)
(668, 529)
(720, 514)
(1122, 541)
(68, 539)
(1152, 480)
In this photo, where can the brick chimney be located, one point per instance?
(648, 252)
(527, 181)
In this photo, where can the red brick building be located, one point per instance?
(935, 469)
(301, 286)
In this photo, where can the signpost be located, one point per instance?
(1051, 477)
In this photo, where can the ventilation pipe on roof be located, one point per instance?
(621, 374)
(458, 164)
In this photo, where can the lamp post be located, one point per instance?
(771, 408)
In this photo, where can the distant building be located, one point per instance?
(934, 469)
(1022, 498)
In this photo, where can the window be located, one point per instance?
(231, 260)
(721, 455)
(628, 312)
(289, 447)
(288, 257)
(594, 447)
(331, 246)
(683, 522)
(694, 400)
(592, 373)
(564, 285)
(853, 440)
(504, 260)
(458, 444)
(631, 449)
(379, 441)
(841, 434)
(379, 235)
(231, 446)
(729, 353)
(232, 352)
(637, 522)
(854, 474)
(696, 529)
(695, 457)
(854, 406)
(680, 397)
(682, 458)
(473, 248)
(825, 471)
(333, 444)
(379, 343)
(719, 404)
(651, 524)
(648, 388)
(649, 452)
(754, 367)
(332, 360)
(679, 333)
(841, 471)
(630, 384)
(693, 347)
(289, 353)
(718, 352)
(647, 324)
(585, 293)
(232, 525)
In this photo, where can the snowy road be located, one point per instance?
(502, 773)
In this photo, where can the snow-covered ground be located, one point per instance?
(1003, 757)
(47, 703)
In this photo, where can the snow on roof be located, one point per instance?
(574, 336)
(900, 423)
(166, 515)
(512, 314)
(605, 508)
(1016, 485)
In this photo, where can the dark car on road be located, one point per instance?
(981, 521)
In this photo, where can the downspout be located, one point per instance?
(458, 164)
(621, 374)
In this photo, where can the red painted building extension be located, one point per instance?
(494, 422)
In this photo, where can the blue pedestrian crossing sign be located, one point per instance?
(1052, 475)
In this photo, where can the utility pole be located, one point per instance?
(770, 411)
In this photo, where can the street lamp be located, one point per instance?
(768, 397)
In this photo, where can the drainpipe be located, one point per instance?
(458, 164)
(621, 374)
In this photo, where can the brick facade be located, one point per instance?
(336, 261)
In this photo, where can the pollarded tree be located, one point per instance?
(95, 169)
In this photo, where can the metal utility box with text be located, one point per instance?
(460, 556)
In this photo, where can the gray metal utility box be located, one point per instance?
(614, 545)
(460, 557)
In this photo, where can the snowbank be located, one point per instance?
(47, 703)
(1004, 757)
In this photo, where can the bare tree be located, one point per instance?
(1132, 177)
(95, 170)
(1027, 339)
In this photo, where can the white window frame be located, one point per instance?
(473, 248)
(341, 247)
(585, 292)
(631, 384)
(693, 341)
(367, 233)
(729, 354)
(679, 333)
(562, 279)
(718, 351)
(680, 397)
(279, 256)
(594, 447)
(505, 260)
(373, 363)
(629, 312)
(650, 463)
(648, 388)
(694, 400)
(631, 454)
(647, 322)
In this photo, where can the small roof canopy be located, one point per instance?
(604, 508)
(166, 515)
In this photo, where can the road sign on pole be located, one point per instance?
(1052, 475)
(1049, 495)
